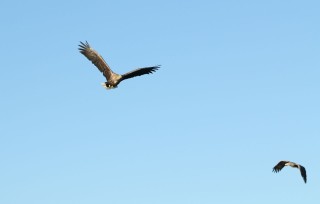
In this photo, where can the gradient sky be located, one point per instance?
(237, 92)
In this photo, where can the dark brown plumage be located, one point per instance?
(113, 79)
(282, 164)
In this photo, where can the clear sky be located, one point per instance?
(237, 92)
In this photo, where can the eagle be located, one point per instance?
(113, 79)
(281, 164)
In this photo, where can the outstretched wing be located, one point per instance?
(303, 173)
(140, 71)
(279, 166)
(95, 58)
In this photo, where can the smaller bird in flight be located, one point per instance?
(113, 79)
(281, 164)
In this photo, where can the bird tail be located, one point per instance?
(104, 85)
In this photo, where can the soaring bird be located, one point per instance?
(113, 79)
(281, 164)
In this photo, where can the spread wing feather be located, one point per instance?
(140, 71)
(95, 58)
(303, 173)
(279, 166)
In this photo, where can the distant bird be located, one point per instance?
(281, 164)
(113, 79)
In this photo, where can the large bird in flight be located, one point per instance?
(113, 79)
(281, 164)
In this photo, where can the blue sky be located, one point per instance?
(237, 92)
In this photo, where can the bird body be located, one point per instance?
(292, 164)
(282, 164)
(113, 79)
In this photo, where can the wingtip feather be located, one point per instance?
(83, 46)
